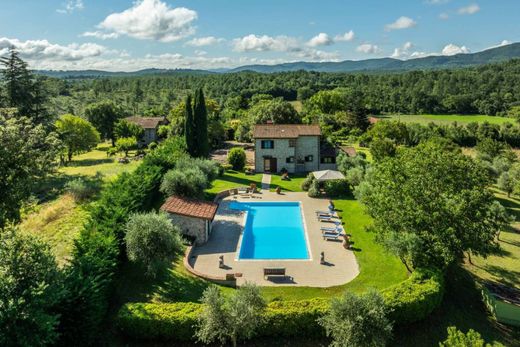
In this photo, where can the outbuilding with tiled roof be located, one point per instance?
(192, 216)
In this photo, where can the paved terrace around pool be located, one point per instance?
(224, 240)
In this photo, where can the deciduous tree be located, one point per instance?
(77, 134)
(104, 115)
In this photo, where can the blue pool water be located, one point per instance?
(273, 230)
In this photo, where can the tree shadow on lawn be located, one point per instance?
(52, 186)
(512, 206)
(462, 307)
(89, 162)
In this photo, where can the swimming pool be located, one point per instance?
(273, 230)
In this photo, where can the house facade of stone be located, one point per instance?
(193, 217)
(150, 126)
(293, 147)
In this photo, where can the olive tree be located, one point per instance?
(188, 183)
(151, 240)
(357, 321)
(29, 290)
(234, 318)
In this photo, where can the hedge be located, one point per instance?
(409, 301)
(415, 298)
(176, 321)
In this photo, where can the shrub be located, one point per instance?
(357, 321)
(237, 317)
(335, 188)
(112, 151)
(152, 146)
(457, 338)
(176, 321)
(314, 189)
(80, 189)
(151, 240)
(306, 184)
(415, 298)
(237, 158)
(210, 168)
(188, 183)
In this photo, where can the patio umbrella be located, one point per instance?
(327, 175)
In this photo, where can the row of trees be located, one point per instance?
(489, 89)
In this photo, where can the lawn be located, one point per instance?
(232, 179)
(448, 118)
(504, 266)
(90, 163)
(292, 185)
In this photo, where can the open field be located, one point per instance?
(59, 219)
(447, 119)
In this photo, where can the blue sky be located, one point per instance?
(131, 35)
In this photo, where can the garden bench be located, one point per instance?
(274, 271)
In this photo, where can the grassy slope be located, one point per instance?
(59, 219)
(232, 179)
(448, 119)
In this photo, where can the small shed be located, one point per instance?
(192, 216)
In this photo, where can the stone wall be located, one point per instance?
(194, 227)
(305, 146)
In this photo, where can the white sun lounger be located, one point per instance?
(331, 229)
(331, 236)
(322, 218)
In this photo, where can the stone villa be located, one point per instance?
(294, 147)
(150, 126)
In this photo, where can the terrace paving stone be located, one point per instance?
(341, 265)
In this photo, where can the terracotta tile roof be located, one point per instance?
(190, 207)
(373, 120)
(146, 122)
(285, 131)
(350, 151)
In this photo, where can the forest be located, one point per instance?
(489, 89)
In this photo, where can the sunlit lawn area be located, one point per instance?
(232, 179)
(58, 222)
(90, 163)
(292, 185)
(59, 218)
(448, 118)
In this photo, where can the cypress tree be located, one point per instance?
(189, 128)
(200, 115)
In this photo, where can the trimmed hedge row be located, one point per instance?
(176, 321)
(415, 298)
(409, 301)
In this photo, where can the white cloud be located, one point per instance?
(317, 55)
(256, 43)
(200, 53)
(505, 43)
(204, 41)
(436, 2)
(401, 23)
(368, 48)
(71, 6)
(444, 16)
(321, 39)
(152, 20)
(470, 9)
(402, 52)
(452, 49)
(44, 50)
(348, 36)
(100, 35)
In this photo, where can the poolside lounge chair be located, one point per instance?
(331, 236)
(325, 213)
(243, 190)
(274, 272)
(322, 218)
(331, 229)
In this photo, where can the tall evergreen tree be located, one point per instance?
(189, 128)
(22, 90)
(200, 115)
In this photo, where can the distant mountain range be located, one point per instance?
(492, 55)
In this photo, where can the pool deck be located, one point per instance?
(341, 265)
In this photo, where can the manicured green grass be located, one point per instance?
(378, 269)
(448, 118)
(292, 185)
(232, 179)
